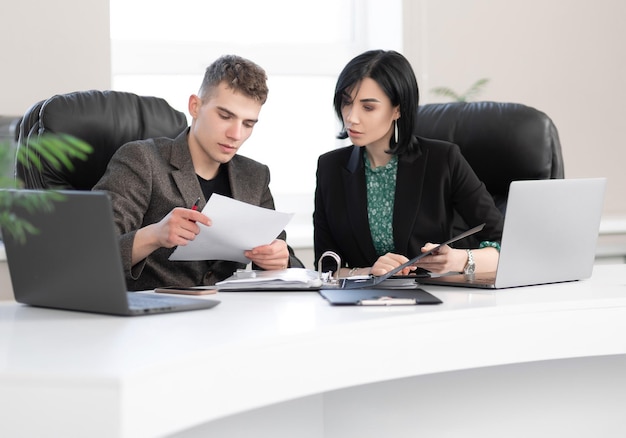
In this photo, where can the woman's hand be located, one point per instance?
(445, 259)
(390, 261)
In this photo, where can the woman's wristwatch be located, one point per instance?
(470, 267)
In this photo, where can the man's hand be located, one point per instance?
(177, 228)
(269, 257)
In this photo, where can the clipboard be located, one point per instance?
(378, 297)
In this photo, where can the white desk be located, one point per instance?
(541, 361)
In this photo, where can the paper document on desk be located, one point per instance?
(237, 226)
(285, 279)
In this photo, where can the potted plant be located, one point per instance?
(471, 92)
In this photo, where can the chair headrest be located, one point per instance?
(104, 119)
(501, 141)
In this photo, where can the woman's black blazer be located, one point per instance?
(434, 183)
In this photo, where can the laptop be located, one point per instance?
(550, 235)
(74, 261)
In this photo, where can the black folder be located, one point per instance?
(378, 297)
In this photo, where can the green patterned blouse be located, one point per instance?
(381, 189)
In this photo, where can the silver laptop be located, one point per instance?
(550, 235)
(74, 261)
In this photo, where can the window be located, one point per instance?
(162, 48)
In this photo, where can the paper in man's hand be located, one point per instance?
(236, 227)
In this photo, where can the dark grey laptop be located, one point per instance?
(550, 235)
(74, 262)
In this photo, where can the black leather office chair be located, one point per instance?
(502, 142)
(104, 119)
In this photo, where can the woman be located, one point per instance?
(390, 195)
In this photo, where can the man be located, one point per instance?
(154, 183)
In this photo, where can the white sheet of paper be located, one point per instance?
(237, 226)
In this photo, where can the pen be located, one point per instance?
(195, 204)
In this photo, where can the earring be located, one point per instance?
(395, 131)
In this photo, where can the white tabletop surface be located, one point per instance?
(255, 349)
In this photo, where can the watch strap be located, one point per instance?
(471, 265)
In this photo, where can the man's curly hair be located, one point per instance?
(241, 75)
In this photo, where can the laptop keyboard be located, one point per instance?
(488, 278)
(145, 301)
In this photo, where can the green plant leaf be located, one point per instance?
(56, 149)
(446, 92)
(475, 89)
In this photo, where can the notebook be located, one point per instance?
(74, 262)
(549, 236)
(371, 280)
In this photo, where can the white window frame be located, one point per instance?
(292, 160)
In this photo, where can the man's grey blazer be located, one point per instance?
(146, 179)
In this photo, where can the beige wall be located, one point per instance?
(52, 46)
(562, 57)
(565, 58)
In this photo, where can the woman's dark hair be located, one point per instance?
(394, 74)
